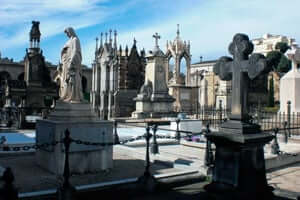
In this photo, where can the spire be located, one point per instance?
(110, 39)
(115, 40)
(105, 37)
(167, 45)
(126, 50)
(96, 47)
(178, 30)
(101, 42)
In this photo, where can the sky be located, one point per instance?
(209, 24)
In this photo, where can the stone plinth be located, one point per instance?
(290, 91)
(239, 168)
(82, 125)
(153, 100)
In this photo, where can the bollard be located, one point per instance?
(8, 191)
(275, 149)
(67, 191)
(154, 145)
(177, 136)
(116, 137)
(147, 182)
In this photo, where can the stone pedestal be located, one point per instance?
(82, 124)
(239, 170)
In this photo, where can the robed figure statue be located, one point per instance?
(70, 85)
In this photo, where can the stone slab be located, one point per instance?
(82, 158)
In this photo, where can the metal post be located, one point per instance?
(147, 136)
(177, 130)
(275, 149)
(220, 111)
(8, 191)
(67, 191)
(209, 157)
(147, 181)
(285, 124)
(289, 117)
(154, 145)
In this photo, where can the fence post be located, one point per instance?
(289, 117)
(8, 191)
(177, 136)
(209, 157)
(220, 108)
(154, 145)
(147, 181)
(67, 191)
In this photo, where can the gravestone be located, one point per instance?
(153, 100)
(239, 171)
(290, 84)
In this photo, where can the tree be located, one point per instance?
(277, 60)
(271, 93)
(282, 47)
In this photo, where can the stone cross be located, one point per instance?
(157, 37)
(239, 70)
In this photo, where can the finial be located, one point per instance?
(105, 37)
(178, 30)
(134, 41)
(156, 36)
(101, 35)
(110, 40)
(115, 40)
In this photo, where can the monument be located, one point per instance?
(153, 100)
(290, 84)
(239, 171)
(73, 113)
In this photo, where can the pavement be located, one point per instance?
(185, 160)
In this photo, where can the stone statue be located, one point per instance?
(70, 87)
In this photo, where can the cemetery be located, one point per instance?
(143, 134)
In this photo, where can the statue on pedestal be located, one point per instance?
(70, 87)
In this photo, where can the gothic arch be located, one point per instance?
(21, 76)
(84, 83)
(4, 75)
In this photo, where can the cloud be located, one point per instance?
(55, 15)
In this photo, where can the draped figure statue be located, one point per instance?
(70, 86)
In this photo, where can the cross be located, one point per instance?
(156, 36)
(239, 70)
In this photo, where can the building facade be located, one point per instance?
(118, 74)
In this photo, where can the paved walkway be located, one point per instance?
(129, 163)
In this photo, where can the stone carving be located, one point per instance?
(70, 87)
(146, 90)
(240, 69)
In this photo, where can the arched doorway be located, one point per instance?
(21, 77)
(4, 75)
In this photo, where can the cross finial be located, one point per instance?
(178, 30)
(134, 41)
(156, 36)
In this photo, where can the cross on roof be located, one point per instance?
(240, 69)
(156, 36)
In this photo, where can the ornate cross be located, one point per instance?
(156, 36)
(239, 70)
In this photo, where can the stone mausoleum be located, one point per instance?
(118, 75)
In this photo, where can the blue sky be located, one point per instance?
(208, 24)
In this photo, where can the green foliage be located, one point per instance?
(278, 61)
(282, 47)
(284, 65)
(271, 93)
